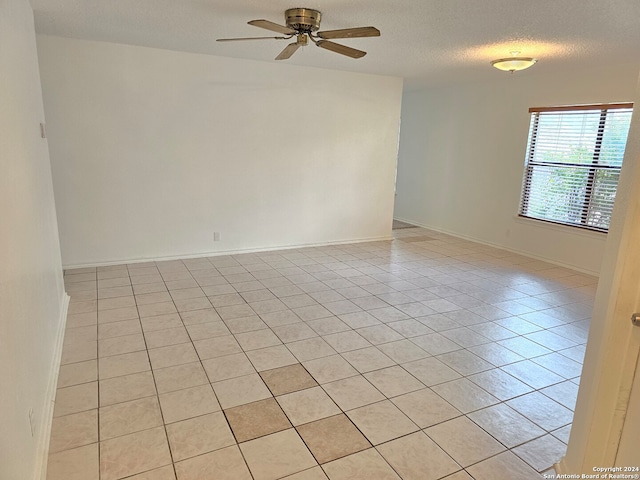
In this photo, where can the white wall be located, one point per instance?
(154, 150)
(31, 289)
(462, 151)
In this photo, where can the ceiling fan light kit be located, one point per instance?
(303, 23)
(514, 63)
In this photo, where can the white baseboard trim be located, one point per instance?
(44, 434)
(560, 467)
(218, 253)
(502, 247)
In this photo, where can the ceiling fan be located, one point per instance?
(303, 24)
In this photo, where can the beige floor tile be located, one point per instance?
(195, 317)
(235, 311)
(224, 464)
(277, 455)
(276, 319)
(333, 437)
(505, 465)
(125, 364)
(192, 304)
(464, 362)
(81, 334)
(329, 369)
(367, 359)
(228, 366)
(135, 453)
(117, 315)
(271, 357)
(402, 351)
(506, 425)
(198, 435)
(346, 341)
(417, 457)
(111, 292)
(410, 328)
(287, 379)
(82, 319)
(563, 433)
(161, 296)
(431, 371)
(77, 398)
(119, 329)
(108, 347)
(77, 373)
(200, 331)
(154, 309)
(461, 475)
(532, 374)
(245, 324)
(378, 334)
(500, 384)
(466, 396)
(160, 322)
(310, 349)
(542, 452)
(76, 464)
(127, 387)
(393, 381)
(217, 346)
(152, 287)
(257, 339)
(328, 326)
(166, 337)
(256, 419)
(464, 441)
(353, 392)
(129, 417)
(365, 465)
(162, 473)
(79, 352)
(307, 405)
(188, 403)
(172, 355)
(381, 422)
(72, 431)
(425, 408)
(315, 473)
(83, 307)
(240, 390)
(179, 376)
(542, 411)
(294, 332)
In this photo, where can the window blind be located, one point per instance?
(573, 163)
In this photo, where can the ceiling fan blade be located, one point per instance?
(350, 33)
(288, 51)
(341, 49)
(250, 38)
(274, 27)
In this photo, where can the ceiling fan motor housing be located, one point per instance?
(303, 20)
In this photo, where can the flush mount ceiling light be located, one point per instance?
(513, 63)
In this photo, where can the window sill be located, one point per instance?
(557, 227)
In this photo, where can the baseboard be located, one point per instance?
(502, 247)
(560, 467)
(42, 450)
(219, 253)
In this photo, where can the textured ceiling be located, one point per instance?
(428, 42)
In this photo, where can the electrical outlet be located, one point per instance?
(32, 422)
(216, 236)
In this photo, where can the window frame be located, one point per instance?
(594, 166)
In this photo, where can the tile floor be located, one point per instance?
(425, 357)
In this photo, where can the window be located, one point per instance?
(574, 156)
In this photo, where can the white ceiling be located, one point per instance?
(428, 42)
